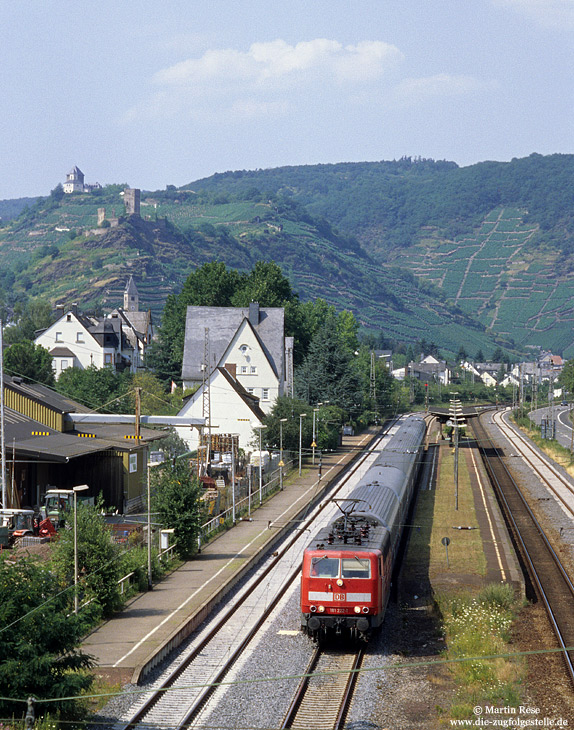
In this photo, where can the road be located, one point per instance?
(563, 423)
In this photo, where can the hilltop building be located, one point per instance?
(75, 182)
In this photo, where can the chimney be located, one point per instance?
(254, 313)
(231, 367)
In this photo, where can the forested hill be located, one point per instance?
(475, 257)
(388, 204)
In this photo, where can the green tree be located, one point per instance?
(165, 356)
(265, 284)
(98, 560)
(29, 361)
(38, 640)
(328, 422)
(35, 315)
(327, 372)
(211, 285)
(95, 387)
(566, 377)
(153, 398)
(176, 499)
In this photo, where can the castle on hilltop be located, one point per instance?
(75, 182)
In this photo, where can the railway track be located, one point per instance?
(325, 692)
(188, 684)
(550, 579)
(557, 483)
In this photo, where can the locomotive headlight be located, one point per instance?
(321, 609)
(357, 609)
(339, 582)
(312, 609)
(365, 609)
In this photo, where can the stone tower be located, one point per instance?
(132, 201)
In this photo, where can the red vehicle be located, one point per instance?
(346, 574)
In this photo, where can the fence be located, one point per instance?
(270, 482)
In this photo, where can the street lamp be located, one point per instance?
(301, 417)
(77, 489)
(281, 462)
(314, 444)
(260, 427)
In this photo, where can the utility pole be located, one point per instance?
(138, 412)
(373, 383)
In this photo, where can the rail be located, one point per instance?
(545, 569)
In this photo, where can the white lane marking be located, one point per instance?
(214, 576)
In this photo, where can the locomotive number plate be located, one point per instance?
(337, 610)
(340, 596)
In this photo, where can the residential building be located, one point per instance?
(75, 182)
(249, 342)
(232, 409)
(118, 340)
(429, 370)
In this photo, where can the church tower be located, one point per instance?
(131, 297)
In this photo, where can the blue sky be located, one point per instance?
(152, 94)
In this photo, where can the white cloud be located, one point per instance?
(276, 62)
(440, 85)
(549, 13)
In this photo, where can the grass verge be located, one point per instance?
(477, 626)
(475, 619)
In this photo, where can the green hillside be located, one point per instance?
(70, 259)
(419, 249)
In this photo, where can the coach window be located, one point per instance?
(324, 567)
(356, 568)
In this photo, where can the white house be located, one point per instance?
(75, 182)
(429, 369)
(232, 409)
(118, 340)
(249, 342)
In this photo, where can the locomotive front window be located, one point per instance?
(324, 567)
(356, 568)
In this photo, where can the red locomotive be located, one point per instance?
(346, 574)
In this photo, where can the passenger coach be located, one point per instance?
(346, 575)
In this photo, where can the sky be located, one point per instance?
(153, 94)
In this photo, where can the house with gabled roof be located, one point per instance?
(249, 342)
(118, 341)
(232, 408)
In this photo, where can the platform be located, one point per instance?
(127, 646)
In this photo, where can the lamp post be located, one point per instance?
(149, 572)
(314, 444)
(301, 417)
(260, 427)
(281, 462)
(77, 489)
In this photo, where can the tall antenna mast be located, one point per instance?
(206, 405)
